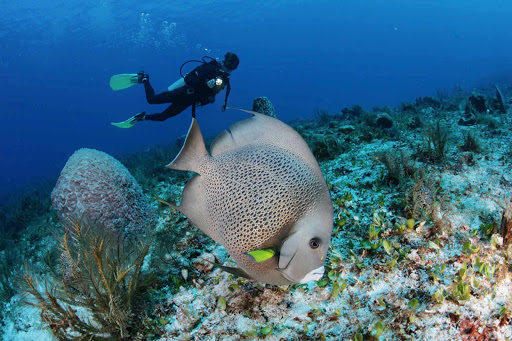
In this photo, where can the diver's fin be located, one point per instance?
(131, 121)
(235, 271)
(192, 152)
(261, 255)
(123, 81)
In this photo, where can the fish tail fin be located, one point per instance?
(192, 152)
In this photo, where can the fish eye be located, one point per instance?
(314, 243)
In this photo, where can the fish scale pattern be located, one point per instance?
(254, 191)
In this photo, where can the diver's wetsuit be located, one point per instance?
(196, 91)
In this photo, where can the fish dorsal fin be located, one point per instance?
(192, 152)
(262, 130)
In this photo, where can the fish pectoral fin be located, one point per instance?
(289, 249)
(235, 271)
(261, 255)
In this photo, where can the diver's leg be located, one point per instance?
(152, 98)
(173, 110)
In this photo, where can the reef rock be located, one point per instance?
(95, 186)
(467, 120)
(384, 121)
(428, 101)
(478, 102)
(354, 111)
(346, 129)
(205, 262)
(264, 106)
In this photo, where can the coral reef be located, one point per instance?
(384, 121)
(353, 112)
(263, 106)
(421, 244)
(428, 101)
(324, 146)
(96, 186)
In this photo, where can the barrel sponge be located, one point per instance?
(95, 186)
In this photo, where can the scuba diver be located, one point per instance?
(198, 87)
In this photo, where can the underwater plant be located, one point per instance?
(435, 140)
(421, 198)
(325, 146)
(471, 143)
(96, 284)
(323, 116)
(400, 167)
(505, 228)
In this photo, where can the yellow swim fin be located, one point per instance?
(123, 81)
(131, 121)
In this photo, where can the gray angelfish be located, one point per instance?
(261, 195)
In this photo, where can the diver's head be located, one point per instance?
(230, 61)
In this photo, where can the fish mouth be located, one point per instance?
(313, 275)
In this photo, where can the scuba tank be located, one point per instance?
(203, 61)
(180, 82)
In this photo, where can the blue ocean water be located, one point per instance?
(56, 58)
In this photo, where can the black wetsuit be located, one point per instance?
(196, 91)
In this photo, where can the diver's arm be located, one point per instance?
(178, 84)
(228, 89)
